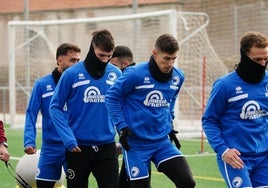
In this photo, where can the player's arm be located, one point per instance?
(30, 119)
(113, 98)
(58, 115)
(211, 117)
(4, 155)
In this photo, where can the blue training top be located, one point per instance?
(143, 104)
(42, 92)
(236, 115)
(88, 123)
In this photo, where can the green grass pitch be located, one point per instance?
(203, 164)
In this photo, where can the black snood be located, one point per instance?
(250, 71)
(94, 66)
(156, 73)
(56, 75)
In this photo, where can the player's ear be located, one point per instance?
(125, 64)
(155, 52)
(59, 60)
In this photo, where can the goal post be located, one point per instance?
(32, 47)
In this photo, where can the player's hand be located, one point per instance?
(76, 149)
(231, 157)
(123, 134)
(4, 155)
(118, 148)
(173, 138)
(30, 150)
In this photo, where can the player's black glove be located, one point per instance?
(173, 138)
(123, 134)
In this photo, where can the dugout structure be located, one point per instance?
(32, 47)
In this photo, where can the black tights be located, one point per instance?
(176, 169)
(45, 184)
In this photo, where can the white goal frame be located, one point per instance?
(178, 24)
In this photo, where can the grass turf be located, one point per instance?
(203, 164)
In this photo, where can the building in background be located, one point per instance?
(229, 19)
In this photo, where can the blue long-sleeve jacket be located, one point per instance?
(142, 104)
(236, 115)
(42, 92)
(88, 122)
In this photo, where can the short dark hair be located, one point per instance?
(103, 39)
(167, 43)
(123, 52)
(252, 39)
(65, 47)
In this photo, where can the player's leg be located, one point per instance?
(50, 164)
(45, 184)
(123, 178)
(234, 177)
(259, 176)
(150, 175)
(137, 167)
(106, 167)
(141, 183)
(178, 171)
(45, 173)
(173, 164)
(78, 167)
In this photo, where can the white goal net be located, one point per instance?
(32, 48)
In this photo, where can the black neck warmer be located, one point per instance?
(156, 73)
(250, 71)
(94, 66)
(56, 75)
(132, 64)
